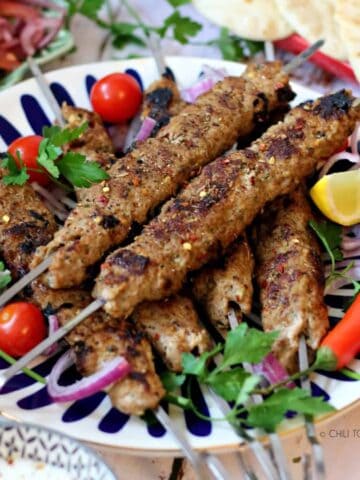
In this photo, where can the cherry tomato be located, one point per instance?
(116, 97)
(28, 149)
(22, 327)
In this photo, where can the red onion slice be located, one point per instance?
(192, 93)
(53, 327)
(146, 128)
(272, 370)
(339, 156)
(111, 372)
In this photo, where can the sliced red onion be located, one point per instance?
(216, 74)
(53, 327)
(118, 133)
(192, 93)
(134, 127)
(350, 243)
(31, 35)
(355, 139)
(52, 27)
(146, 128)
(111, 372)
(272, 370)
(351, 157)
(353, 272)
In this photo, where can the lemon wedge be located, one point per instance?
(338, 197)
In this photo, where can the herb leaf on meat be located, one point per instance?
(80, 172)
(5, 276)
(16, 175)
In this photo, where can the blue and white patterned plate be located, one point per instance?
(23, 111)
(41, 447)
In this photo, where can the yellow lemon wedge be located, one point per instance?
(337, 196)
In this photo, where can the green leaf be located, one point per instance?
(183, 27)
(330, 235)
(16, 175)
(233, 47)
(59, 137)
(270, 412)
(172, 381)
(79, 172)
(48, 153)
(247, 387)
(245, 344)
(89, 8)
(121, 40)
(229, 384)
(197, 365)
(178, 3)
(5, 276)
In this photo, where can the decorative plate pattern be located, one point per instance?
(41, 445)
(23, 111)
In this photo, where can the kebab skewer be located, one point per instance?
(43, 265)
(156, 168)
(291, 281)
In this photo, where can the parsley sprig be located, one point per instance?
(74, 167)
(5, 276)
(330, 235)
(234, 384)
(177, 27)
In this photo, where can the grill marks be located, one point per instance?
(190, 229)
(197, 135)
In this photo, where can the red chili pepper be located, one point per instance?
(344, 340)
(296, 44)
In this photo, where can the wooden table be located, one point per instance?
(339, 436)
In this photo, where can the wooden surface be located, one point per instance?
(340, 436)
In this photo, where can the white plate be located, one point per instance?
(24, 107)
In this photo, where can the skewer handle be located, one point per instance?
(45, 89)
(24, 281)
(41, 347)
(303, 56)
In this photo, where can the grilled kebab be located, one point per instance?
(227, 285)
(154, 170)
(216, 206)
(290, 276)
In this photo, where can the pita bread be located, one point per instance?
(347, 15)
(315, 19)
(252, 19)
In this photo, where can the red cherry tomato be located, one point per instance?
(116, 97)
(22, 327)
(28, 149)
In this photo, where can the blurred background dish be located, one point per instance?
(35, 451)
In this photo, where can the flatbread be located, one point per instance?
(252, 19)
(347, 15)
(315, 19)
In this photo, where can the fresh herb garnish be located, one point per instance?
(16, 175)
(235, 48)
(330, 235)
(176, 27)
(233, 383)
(5, 276)
(74, 167)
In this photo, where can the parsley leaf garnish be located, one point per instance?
(61, 136)
(235, 48)
(182, 27)
(5, 276)
(16, 175)
(178, 3)
(232, 382)
(330, 235)
(80, 172)
(270, 412)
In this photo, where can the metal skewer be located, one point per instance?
(317, 450)
(18, 286)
